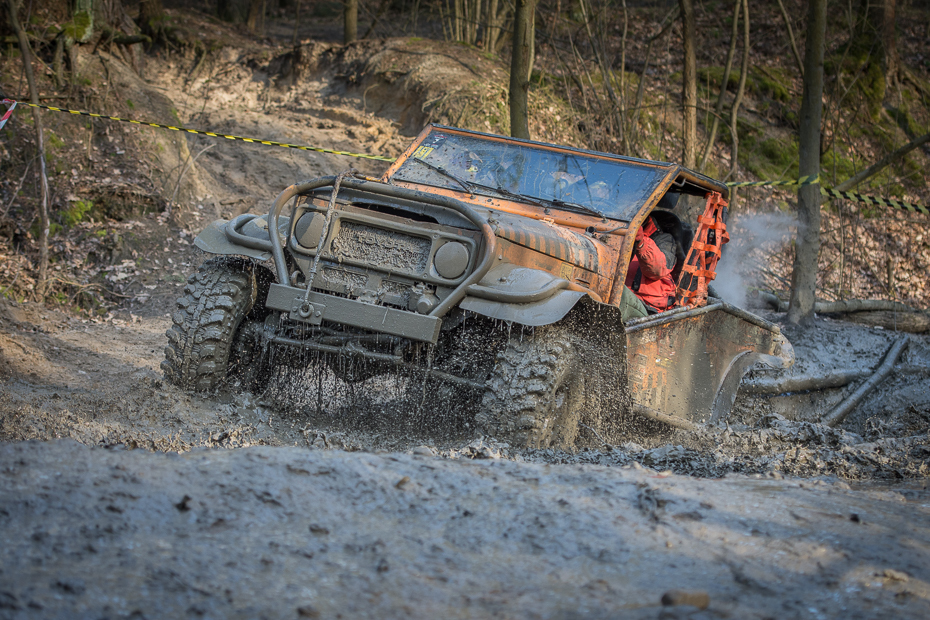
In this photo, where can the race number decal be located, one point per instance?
(422, 152)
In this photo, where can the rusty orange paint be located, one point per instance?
(614, 243)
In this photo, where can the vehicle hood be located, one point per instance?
(556, 241)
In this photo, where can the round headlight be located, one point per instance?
(308, 229)
(451, 260)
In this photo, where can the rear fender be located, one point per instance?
(685, 365)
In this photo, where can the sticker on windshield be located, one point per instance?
(422, 152)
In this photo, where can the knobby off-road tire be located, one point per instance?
(561, 385)
(535, 394)
(202, 343)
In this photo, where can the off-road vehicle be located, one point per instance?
(487, 265)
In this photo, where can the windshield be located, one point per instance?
(563, 180)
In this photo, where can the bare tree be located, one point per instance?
(236, 11)
(738, 99)
(791, 40)
(718, 111)
(804, 275)
(689, 86)
(876, 30)
(873, 38)
(256, 16)
(521, 64)
(350, 21)
(26, 52)
(151, 16)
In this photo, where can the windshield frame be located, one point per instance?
(665, 174)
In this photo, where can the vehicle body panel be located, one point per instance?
(375, 267)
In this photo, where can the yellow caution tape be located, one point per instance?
(316, 149)
(872, 200)
(826, 191)
(808, 180)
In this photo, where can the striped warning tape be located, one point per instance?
(316, 149)
(872, 200)
(6, 116)
(808, 180)
(826, 191)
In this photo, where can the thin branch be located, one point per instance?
(27, 56)
(723, 86)
(794, 45)
(734, 111)
(883, 163)
(18, 187)
(190, 162)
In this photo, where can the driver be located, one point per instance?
(650, 287)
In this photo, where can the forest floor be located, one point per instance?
(122, 496)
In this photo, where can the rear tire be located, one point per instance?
(202, 343)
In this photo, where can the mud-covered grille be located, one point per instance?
(341, 278)
(385, 248)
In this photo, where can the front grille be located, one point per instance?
(348, 281)
(387, 249)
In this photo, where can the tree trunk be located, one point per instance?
(492, 27)
(521, 63)
(889, 41)
(350, 21)
(26, 52)
(791, 40)
(804, 274)
(83, 20)
(256, 10)
(151, 16)
(689, 86)
(234, 11)
(737, 102)
(874, 38)
(718, 111)
(876, 27)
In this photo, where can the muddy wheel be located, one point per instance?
(561, 385)
(247, 369)
(535, 395)
(202, 344)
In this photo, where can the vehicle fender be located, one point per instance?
(493, 296)
(213, 240)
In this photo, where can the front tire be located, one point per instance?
(535, 396)
(561, 385)
(202, 342)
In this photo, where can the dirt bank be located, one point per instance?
(295, 533)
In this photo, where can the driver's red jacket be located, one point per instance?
(650, 272)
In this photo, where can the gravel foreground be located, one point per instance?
(288, 533)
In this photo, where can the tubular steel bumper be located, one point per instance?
(320, 307)
(484, 264)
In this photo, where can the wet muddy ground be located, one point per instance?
(132, 503)
(291, 533)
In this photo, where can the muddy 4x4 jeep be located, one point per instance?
(490, 265)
